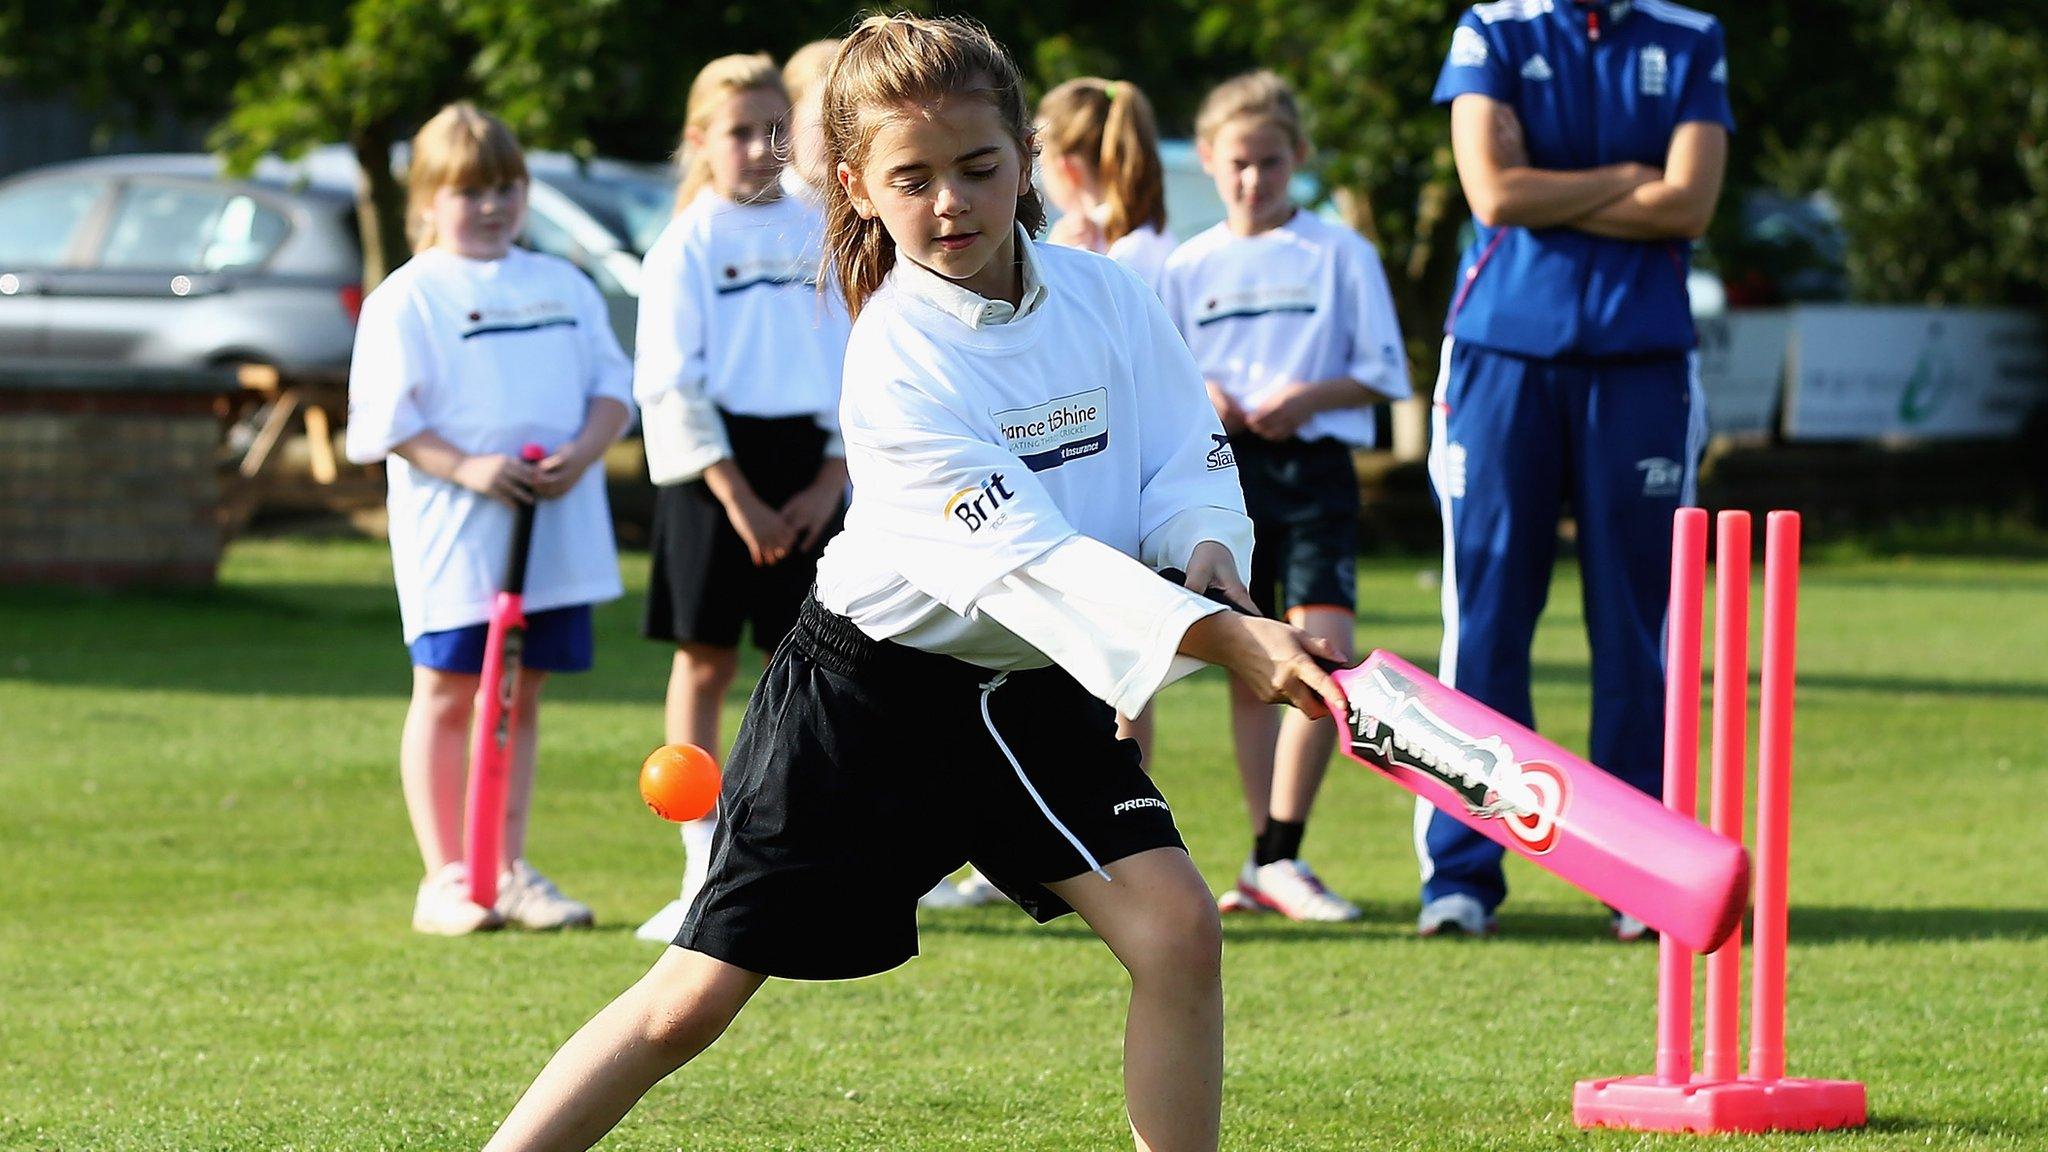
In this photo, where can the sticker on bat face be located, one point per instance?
(1392, 728)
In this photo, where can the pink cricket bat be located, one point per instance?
(490, 757)
(1534, 798)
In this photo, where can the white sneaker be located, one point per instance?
(1457, 913)
(979, 889)
(1628, 929)
(1244, 897)
(443, 907)
(661, 928)
(1292, 889)
(530, 900)
(946, 895)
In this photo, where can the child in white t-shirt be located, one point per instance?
(737, 373)
(464, 354)
(1028, 444)
(1290, 319)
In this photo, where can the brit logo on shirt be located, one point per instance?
(1653, 71)
(982, 505)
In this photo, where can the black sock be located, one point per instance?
(1280, 841)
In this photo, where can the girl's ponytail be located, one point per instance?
(1133, 184)
(1108, 126)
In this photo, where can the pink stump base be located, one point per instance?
(1646, 1103)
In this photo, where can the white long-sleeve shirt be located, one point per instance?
(1020, 475)
(732, 319)
(1304, 302)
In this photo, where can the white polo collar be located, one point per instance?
(969, 307)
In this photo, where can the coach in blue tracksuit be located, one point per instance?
(1590, 140)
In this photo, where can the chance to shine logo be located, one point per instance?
(1391, 728)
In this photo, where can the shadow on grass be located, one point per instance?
(1826, 924)
(279, 641)
(1931, 1128)
(1887, 683)
(1823, 924)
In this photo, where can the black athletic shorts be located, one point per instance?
(867, 771)
(1302, 496)
(704, 584)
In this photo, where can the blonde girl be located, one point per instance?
(464, 354)
(1291, 322)
(737, 374)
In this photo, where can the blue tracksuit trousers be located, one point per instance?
(1513, 440)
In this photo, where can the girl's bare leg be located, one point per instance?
(1157, 916)
(433, 761)
(655, 1027)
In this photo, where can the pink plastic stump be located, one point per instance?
(1648, 1104)
(1676, 1099)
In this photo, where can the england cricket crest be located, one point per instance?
(1392, 728)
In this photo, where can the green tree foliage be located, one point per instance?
(1365, 69)
(1944, 188)
(130, 62)
(391, 63)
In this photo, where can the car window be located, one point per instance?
(162, 226)
(39, 220)
(633, 210)
(544, 235)
(244, 235)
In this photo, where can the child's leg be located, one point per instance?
(697, 683)
(433, 757)
(1302, 754)
(1254, 731)
(1158, 918)
(655, 1027)
(525, 754)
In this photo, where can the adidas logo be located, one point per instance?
(1537, 69)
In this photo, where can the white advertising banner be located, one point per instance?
(1742, 365)
(1861, 373)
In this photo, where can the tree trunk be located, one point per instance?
(1421, 286)
(380, 206)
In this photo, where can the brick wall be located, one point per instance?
(108, 486)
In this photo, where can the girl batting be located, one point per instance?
(1027, 444)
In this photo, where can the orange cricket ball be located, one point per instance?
(680, 782)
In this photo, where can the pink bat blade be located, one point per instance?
(1531, 796)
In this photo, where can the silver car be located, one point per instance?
(158, 260)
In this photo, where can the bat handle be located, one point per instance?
(522, 529)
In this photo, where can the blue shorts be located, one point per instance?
(558, 640)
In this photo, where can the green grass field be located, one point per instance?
(208, 874)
